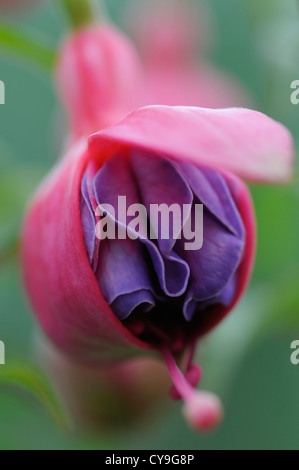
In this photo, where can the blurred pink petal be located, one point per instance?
(172, 37)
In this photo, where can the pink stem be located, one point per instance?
(179, 380)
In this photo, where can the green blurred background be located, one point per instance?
(247, 359)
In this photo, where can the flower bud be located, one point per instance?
(99, 78)
(101, 301)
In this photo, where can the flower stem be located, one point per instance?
(80, 12)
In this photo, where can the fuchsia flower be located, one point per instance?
(177, 71)
(103, 301)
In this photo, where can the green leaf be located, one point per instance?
(28, 47)
(24, 376)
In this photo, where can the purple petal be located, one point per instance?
(115, 179)
(224, 298)
(213, 266)
(212, 191)
(132, 272)
(123, 270)
(87, 219)
(124, 305)
(158, 183)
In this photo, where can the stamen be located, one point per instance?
(202, 410)
(192, 375)
(136, 327)
(175, 340)
(190, 354)
(162, 335)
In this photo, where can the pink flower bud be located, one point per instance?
(98, 77)
(9, 5)
(103, 301)
(61, 283)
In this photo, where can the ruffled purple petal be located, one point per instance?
(213, 266)
(137, 274)
(124, 305)
(159, 183)
(213, 192)
(87, 219)
(123, 270)
(224, 298)
(116, 179)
